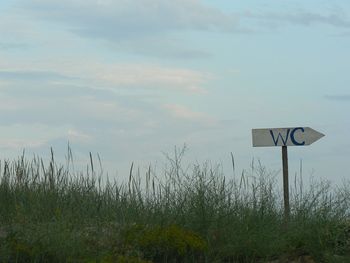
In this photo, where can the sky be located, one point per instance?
(131, 80)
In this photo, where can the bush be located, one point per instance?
(166, 244)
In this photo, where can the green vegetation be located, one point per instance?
(192, 214)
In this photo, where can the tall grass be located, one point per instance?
(49, 213)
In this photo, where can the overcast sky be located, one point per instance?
(132, 79)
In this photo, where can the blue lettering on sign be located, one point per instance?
(284, 140)
(294, 141)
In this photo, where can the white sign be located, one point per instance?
(297, 136)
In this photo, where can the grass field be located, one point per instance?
(182, 214)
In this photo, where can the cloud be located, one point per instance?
(300, 17)
(9, 46)
(30, 75)
(345, 97)
(113, 76)
(182, 112)
(342, 34)
(32, 135)
(161, 46)
(16, 144)
(78, 136)
(44, 104)
(96, 100)
(116, 19)
(144, 27)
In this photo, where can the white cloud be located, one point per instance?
(110, 75)
(19, 136)
(183, 112)
(78, 136)
(18, 145)
(119, 18)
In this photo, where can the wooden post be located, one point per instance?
(285, 183)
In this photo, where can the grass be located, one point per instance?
(184, 214)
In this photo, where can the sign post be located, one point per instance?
(285, 182)
(296, 136)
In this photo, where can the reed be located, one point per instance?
(49, 213)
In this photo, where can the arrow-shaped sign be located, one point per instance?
(296, 136)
